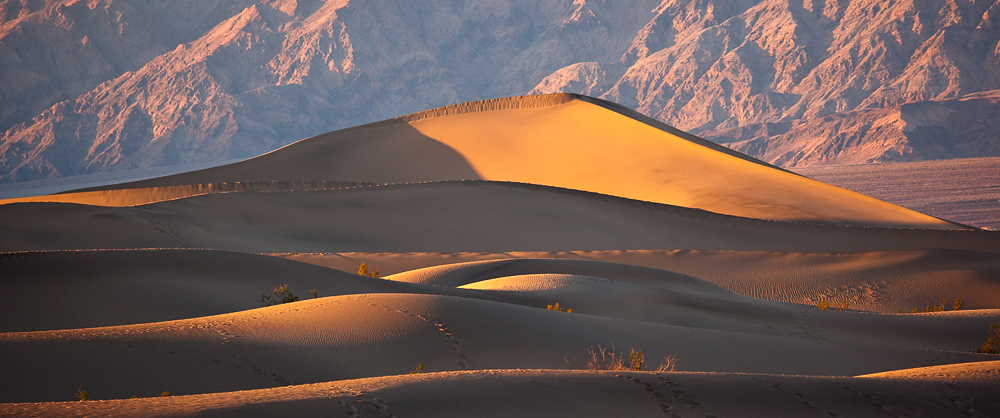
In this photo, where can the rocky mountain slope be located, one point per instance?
(96, 85)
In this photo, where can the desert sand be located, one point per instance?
(965, 190)
(562, 140)
(480, 218)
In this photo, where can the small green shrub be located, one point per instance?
(420, 369)
(278, 296)
(82, 394)
(992, 344)
(557, 308)
(363, 271)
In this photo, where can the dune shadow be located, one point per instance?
(389, 151)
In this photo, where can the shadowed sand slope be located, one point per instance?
(367, 335)
(880, 281)
(547, 393)
(439, 217)
(83, 289)
(562, 140)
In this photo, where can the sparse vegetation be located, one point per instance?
(992, 344)
(363, 270)
(557, 308)
(82, 394)
(939, 307)
(278, 296)
(164, 394)
(420, 369)
(605, 359)
(824, 305)
(314, 293)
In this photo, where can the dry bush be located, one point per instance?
(82, 394)
(278, 296)
(363, 271)
(605, 359)
(824, 305)
(939, 307)
(557, 308)
(992, 344)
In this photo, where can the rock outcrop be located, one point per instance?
(96, 85)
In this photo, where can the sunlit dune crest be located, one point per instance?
(536, 256)
(560, 140)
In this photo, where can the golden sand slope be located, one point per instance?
(548, 393)
(439, 217)
(367, 335)
(562, 140)
(880, 281)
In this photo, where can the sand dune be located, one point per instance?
(439, 217)
(880, 281)
(83, 289)
(482, 215)
(345, 337)
(561, 140)
(546, 393)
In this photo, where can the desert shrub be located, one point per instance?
(939, 307)
(363, 270)
(82, 394)
(992, 344)
(605, 359)
(278, 296)
(164, 394)
(314, 293)
(420, 369)
(825, 305)
(557, 308)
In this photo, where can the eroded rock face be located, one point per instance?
(94, 85)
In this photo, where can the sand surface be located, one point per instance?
(440, 217)
(557, 140)
(479, 217)
(879, 281)
(964, 190)
(546, 393)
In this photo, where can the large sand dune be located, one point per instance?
(480, 216)
(440, 217)
(560, 140)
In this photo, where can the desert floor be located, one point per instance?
(694, 276)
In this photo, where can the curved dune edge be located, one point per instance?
(561, 140)
(546, 393)
(877, 281)
(588, 144)
(976, 371)
(147, 195)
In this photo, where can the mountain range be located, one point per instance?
(96, 85)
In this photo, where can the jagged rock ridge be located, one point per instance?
(93, 85)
